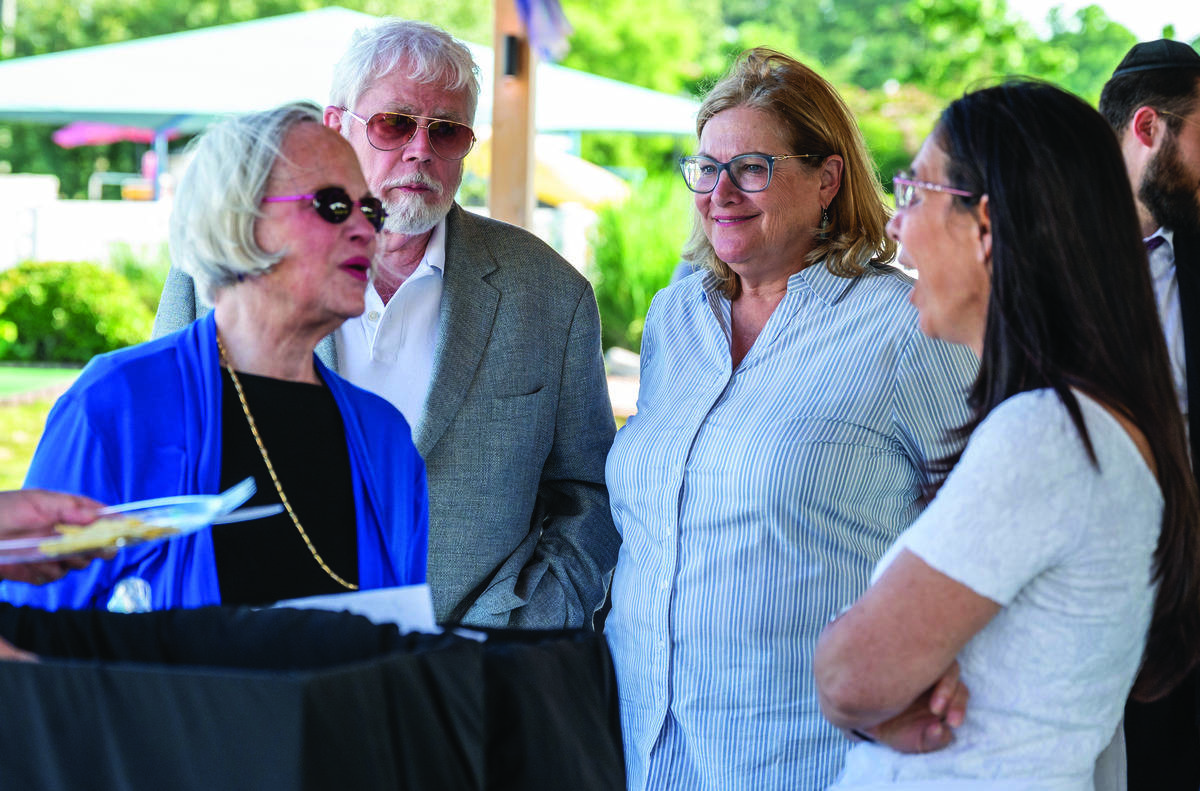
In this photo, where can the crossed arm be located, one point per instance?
(886, 668)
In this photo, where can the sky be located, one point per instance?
(1144, 18)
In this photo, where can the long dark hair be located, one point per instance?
(1071, 306)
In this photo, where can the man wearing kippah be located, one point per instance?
(1152, 102)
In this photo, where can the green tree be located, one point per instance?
(669, 46)
(1082, 51)
(913, 56)
(664, 45)
(635, 248)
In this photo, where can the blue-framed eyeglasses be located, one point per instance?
(748, 172)
(904, 187)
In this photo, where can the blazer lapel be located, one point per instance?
(468, 312)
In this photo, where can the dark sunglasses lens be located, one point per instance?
(391, 130)
(333, 204)
(451, 140)
(372, 209)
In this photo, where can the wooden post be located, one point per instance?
(510, 186)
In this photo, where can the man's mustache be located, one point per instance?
(414, 179)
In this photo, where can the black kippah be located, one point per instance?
(1161, 54)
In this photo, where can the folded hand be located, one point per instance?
(928, 723)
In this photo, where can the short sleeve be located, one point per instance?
(1011, 507)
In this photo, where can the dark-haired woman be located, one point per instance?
(1063, 540)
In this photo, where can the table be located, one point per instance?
(232, 698)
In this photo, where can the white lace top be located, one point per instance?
(1026, 520)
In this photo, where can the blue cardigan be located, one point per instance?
(145, 422)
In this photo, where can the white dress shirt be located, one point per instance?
(1166, 295)
(389, 348)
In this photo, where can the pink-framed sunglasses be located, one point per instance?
(334, 204)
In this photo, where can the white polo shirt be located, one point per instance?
(389, 348)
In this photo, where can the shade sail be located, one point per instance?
(183, 81)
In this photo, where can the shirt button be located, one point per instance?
(663, 585)
(373, 315)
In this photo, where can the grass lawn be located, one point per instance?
(20, 379)
(20, 427)
(22, 420)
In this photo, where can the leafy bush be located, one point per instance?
(68, 311)
(636, 247)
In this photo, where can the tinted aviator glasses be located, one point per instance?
(747, 172)
(334, 204)
(905, 187)
(389, 131)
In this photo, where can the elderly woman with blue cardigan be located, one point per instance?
(274, 221)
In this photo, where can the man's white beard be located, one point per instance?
(410, 214)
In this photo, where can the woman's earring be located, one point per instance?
(823, 228)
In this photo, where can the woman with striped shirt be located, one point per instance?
(787, 409)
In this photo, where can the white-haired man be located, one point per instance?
(483, 337)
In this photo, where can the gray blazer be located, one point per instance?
(516, 428)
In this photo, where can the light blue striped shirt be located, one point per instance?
(753, 504)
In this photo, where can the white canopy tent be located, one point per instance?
(183, 81)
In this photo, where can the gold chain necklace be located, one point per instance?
(237, 385)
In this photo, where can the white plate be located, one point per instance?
(181, 515)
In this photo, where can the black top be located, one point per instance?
(266, 560)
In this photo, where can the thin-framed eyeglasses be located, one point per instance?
(747, 172)
(1191, 121)
(389, 131)
(904, 187)
(334, 204)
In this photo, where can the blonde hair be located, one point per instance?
(816, 120)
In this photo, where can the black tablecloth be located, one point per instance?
(226, 698)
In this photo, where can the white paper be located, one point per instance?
(410, 607)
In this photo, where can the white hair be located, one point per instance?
(431, 54)
(217, 203)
